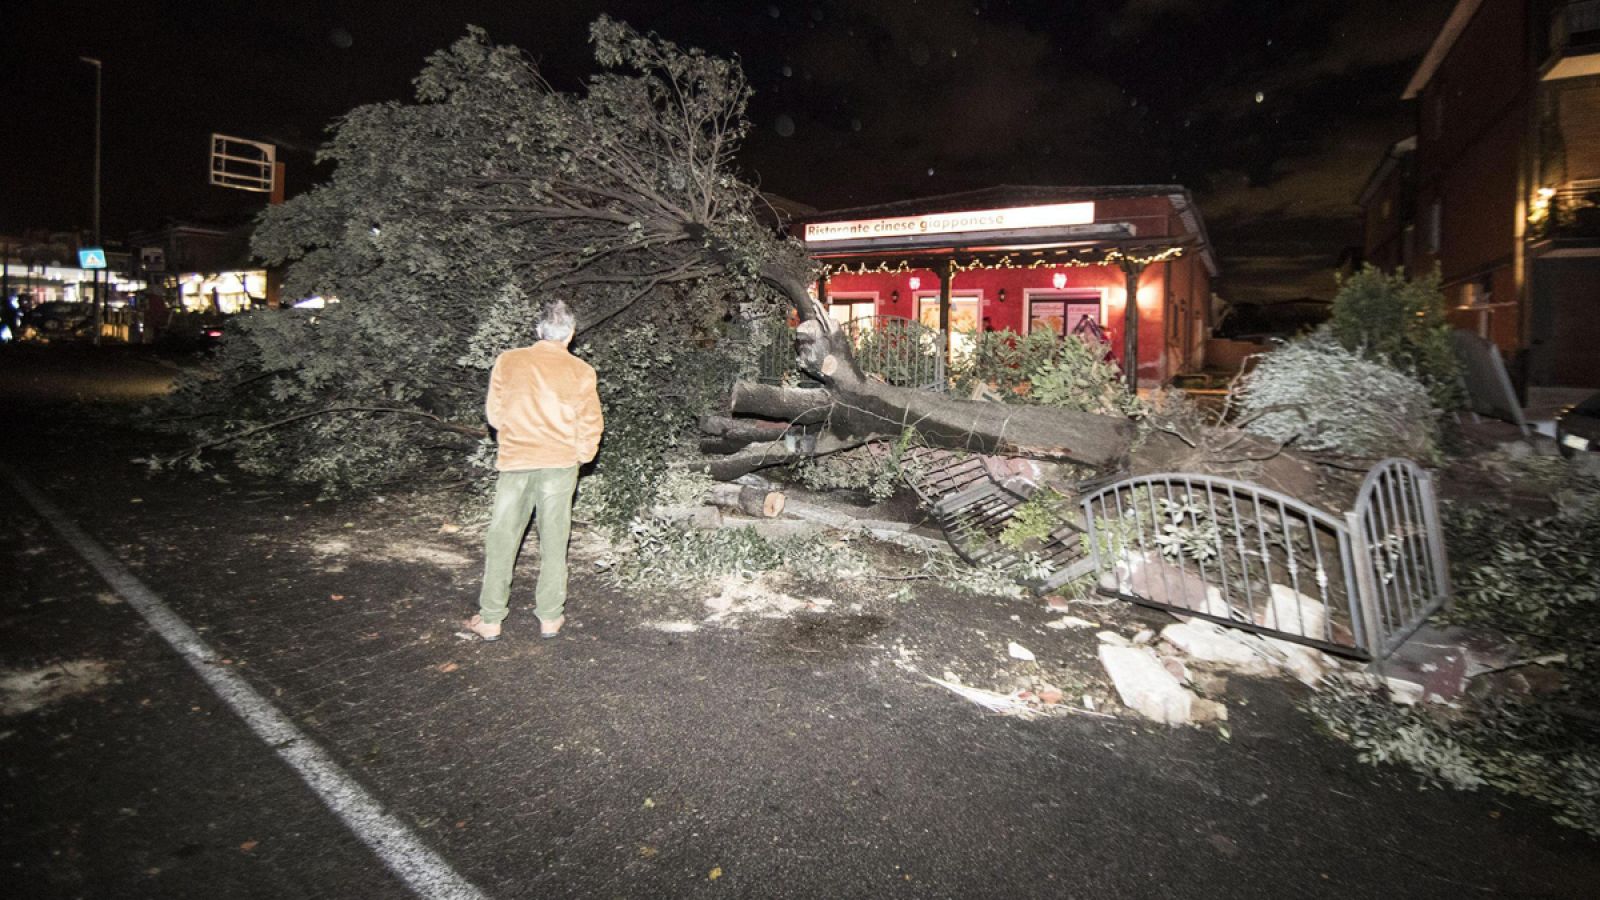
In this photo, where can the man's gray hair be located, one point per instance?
(558, 323)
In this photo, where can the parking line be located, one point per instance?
(400, 850)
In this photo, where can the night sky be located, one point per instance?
(1272, 111)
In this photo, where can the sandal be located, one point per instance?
(551, 629)
(483, 630)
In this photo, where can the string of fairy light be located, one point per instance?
(1111, 257)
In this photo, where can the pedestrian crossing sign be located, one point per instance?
(92, 258)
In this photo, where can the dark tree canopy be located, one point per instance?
(451, 219)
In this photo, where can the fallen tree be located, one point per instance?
(849, 405)
(450, 220)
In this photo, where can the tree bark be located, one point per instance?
(754, 501)
(776, 453)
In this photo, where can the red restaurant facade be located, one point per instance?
(1029, 258)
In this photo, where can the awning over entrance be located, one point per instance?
(1019, 245)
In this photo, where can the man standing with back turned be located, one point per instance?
(544, 406)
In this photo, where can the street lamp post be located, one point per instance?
(99, 292)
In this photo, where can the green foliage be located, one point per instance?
(1401, 321)
(651, 390)
(876, 473)
(1039, 368)
(1329, 399)
(1079, 377)
(1515, 746)
(1036, 518)
(1537, 579)
(1005, 361)
(666, 555)
(451, 220)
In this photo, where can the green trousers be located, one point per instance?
(547, 495)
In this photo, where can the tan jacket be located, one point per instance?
(543, 402)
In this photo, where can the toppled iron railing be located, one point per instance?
(1259, 560)
(974, 509)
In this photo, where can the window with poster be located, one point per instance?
(963, 317)
(1066, 312)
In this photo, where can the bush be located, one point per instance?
(1078, 376)
(1326, 398)
(1538, 578)
(1004, 361)
(652, 390)
(1040, 368)
(1400, 321)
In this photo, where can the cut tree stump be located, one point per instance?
(751, 500)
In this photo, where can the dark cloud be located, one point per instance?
(855, 101)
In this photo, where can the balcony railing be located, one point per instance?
(1575, 27)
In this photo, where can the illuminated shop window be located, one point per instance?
(963, 319)
(224, 292)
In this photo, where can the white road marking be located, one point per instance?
(405, 854)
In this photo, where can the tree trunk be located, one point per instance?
(852, 409)
(759, 502)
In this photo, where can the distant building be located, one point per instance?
(1028, 258)
(205, 267)
(43, 267)
(1500, 186)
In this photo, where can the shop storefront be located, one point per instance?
(1026, 259)
(222, 292)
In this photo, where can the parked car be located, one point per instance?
(58, 319)
(191, 331)
(1578, 429)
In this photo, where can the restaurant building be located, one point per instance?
(1064, 259)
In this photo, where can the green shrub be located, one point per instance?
(1036, 518)
(1536, 578)
(1005, 361)
(1040, 368)
(1328, 399)
(1078, 376)
(1400, 321)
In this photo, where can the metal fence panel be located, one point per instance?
(1401, 544)
(1228, 551)
(901, 351)
(1259, 560)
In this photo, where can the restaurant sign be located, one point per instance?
(1018, 217)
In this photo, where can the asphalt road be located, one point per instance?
(769, 761)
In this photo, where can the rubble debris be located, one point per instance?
(1069, 622)
(1145, 686)
(1294, 612)
(1249, 654)
(1004, 704)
